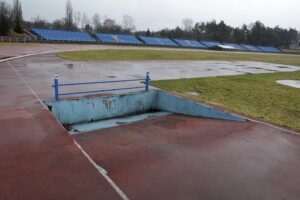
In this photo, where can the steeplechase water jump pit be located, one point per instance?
(88, 114)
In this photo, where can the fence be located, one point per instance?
(58, 95)
(17, 39)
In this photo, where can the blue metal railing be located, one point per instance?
(57, 85)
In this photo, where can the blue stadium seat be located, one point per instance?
(117, 39)
(250, 47)
(158, 41)
(269, 49)
(67, 36)
(210, 44)
(190, 43)
(236, 46)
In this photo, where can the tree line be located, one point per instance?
(74, 21)
(255, 33)
(10, 17)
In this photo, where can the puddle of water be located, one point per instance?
(69, 65)
(282, 67)
(109, 123)
(237, 71)
(5, 57)
(226, 68)
(259, 68)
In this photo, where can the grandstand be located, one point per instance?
(210, 43)
(250, 48)
(76, 36)
(158, 41)
(190, 43)
(118, 39)
(269, 49)
(66, 36)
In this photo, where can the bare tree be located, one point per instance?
(17, 16)
(58, 23)
(69, 24)
(188, 24)
(84, 21)
(298, 41)
(77, 18)
(96, 20)
(128, 23)
(110, 25)
(5, 18)
(38, 22)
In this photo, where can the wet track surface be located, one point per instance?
(38, 160)
(171, 157)
(36, 48)
(179, 157)
(39, 71)
(7, 51)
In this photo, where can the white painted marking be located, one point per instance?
(37, 54)
(103, 172)
(27, 85)
(259, 122)
(27, 55)
(290, 83)
(273, 126)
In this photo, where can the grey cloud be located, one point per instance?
(155, 14)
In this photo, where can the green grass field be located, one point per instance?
(178, 55)
(292, 51)
(253, 95)
(12, 33)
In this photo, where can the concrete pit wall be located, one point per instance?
(85, 110)
(180, 105)
(92, 109)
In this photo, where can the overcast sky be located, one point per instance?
(156, 14)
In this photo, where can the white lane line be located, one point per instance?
(267, 124)
(256, 121)
(103, 172)
(273, 126)
(27, 55)
(37, 54)
(27, 85)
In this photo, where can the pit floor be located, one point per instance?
(171, 157)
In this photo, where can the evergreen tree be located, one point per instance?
(5, 21)
(148, 33)
(17, 16)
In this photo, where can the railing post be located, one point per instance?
(56, 93)
(147, 81)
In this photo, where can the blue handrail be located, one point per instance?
(57, 85)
